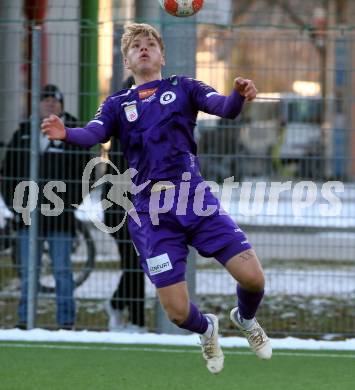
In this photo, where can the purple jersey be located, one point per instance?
(155, 124)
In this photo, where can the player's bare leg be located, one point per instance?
(183, 313)
(246, 270)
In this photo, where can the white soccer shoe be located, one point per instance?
(115, 318)
(211, 349)
(256, 336)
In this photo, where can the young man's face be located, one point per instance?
(144, 56)
(50, 105)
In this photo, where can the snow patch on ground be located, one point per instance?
(41, 335)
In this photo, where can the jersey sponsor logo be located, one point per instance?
(167, 97)
(149, 99)
(145, 93)
(159, 264)
(131, 113)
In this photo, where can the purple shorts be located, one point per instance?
(163, 247)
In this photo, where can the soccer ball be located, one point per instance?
(181, 8)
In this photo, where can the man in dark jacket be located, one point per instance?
(60, 162)
(129, 292)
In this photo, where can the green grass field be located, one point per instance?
(50, 366)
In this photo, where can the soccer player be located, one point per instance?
(155, 122)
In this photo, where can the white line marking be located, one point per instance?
(167, 350)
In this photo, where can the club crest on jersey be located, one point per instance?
(131, 113)
(167, 97)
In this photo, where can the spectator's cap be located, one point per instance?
(51, 90)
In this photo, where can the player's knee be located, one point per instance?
(254, 282)
(177, 315)
(177, 320)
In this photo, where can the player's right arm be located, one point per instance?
(98, 130)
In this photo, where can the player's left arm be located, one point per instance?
(209, 100)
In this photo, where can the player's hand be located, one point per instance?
(245, 88)
(53, 128)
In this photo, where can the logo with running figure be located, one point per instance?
(121, 186)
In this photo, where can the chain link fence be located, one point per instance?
(296, 140)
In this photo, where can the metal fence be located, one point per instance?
(296, 140)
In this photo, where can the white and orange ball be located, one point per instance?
(181, 8)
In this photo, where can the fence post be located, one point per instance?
(34, 153)
(88, 69)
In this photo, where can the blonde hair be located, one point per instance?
(135, 29)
